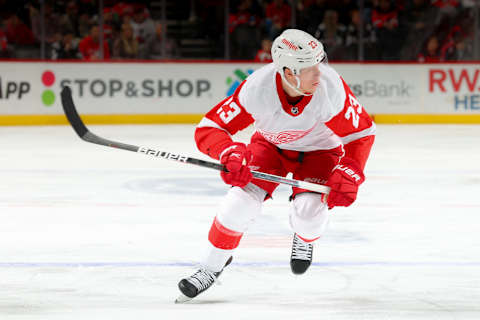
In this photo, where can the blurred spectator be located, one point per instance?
(84, 25)
(393, 30)
(457, 47)
(17, 32)
(461, 51)
(108, 24)
(123, 9)
(89, 7)
(69, 22)
(385, 21)
(125, 19)
(213, 11)
(468, 3)
(90, 46)
(448, 10)
(352, 38)
(431, 53)
(65, 47)
(344, 9)
(278, 17)
(126, 46)
(5, 51)
(154, 50)
(300, 13)
(265, 52)
(446, 6)
(75, 22)
(143, 29)
(243, 14)
(243, 31)
(332, 35)
(314, 15)
(51, 23)
(421, 19)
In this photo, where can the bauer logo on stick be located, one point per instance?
(162, 154)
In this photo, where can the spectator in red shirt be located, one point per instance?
(278, 14)
(90, 46)
(244, 15)
(264, 54)
(384, 16)
(17, 32)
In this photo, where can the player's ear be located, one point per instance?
(287, 72)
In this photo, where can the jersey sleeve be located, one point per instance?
(228, 117)
(354, 127)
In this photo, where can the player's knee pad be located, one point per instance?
(240, 207)
(309, 215)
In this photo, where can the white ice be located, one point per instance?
(89, 232)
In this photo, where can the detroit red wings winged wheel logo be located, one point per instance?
(284, 136)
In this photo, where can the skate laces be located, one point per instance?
(301, 250)
(202, 279)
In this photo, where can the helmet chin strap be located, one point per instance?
(297, 88)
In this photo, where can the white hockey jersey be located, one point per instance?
(331, 117)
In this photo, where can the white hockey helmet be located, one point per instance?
(295, 49)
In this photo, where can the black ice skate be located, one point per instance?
(301, 257)
(197, 283)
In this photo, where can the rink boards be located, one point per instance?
(181, 92)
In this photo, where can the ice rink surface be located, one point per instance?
(89, 232)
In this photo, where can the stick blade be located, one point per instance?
(71, 112)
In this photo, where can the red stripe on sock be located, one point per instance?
(223, 238)
(308, 240)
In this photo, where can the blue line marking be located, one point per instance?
(241, 264)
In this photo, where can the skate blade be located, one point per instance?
(182, 299)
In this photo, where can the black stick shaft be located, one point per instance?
(83, 132)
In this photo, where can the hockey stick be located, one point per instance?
(86, 135)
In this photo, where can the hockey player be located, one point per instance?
(308, 122)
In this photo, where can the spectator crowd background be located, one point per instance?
(407, 30)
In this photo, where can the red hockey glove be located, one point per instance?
(236, 158)
(344, 181)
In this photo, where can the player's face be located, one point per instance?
(310, 78)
